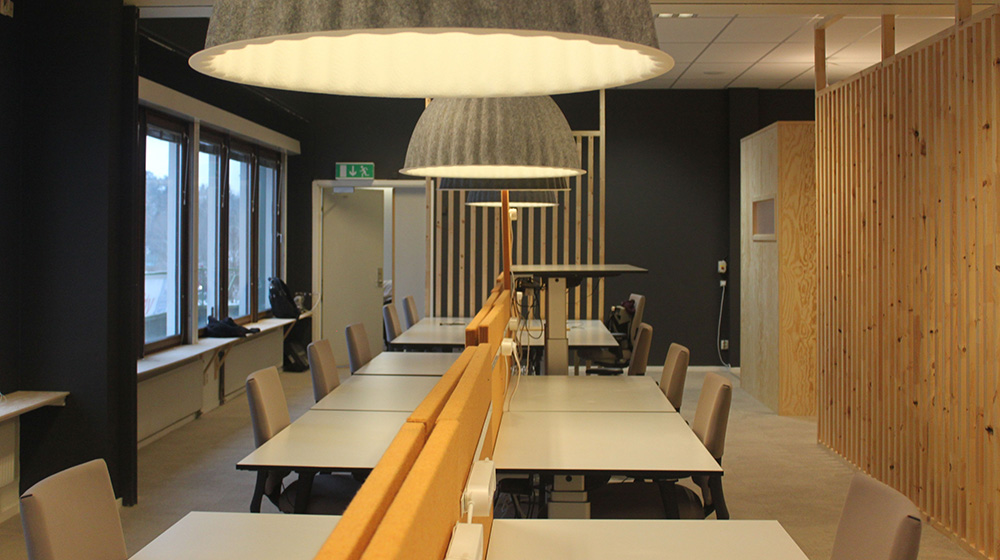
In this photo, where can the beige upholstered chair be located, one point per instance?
(640, 309)
(657, 500)
(878, 523)
(323, 368)
(674, 374)
(640, 353)
(358, 351)
(390, 318)
(72, 515)
(410, 315)
(268, 416)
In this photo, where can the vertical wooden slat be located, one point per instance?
(461, 210)
(578, 194)
(819, 57)
(888, 35)
(907, 164)
(452, 231)
(475, 291)
(590, 224)
(601, 185)
(438, 240)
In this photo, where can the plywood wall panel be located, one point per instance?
(908, 341)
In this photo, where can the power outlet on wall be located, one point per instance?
(724, 344)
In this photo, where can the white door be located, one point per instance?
(352, 263)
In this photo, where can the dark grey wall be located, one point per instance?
(76, 266)
(10, 219)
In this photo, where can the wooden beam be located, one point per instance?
(820, 57)
(963, 10)
(888, 36)
(828, 21)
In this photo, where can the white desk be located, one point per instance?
(435, 331)
(633, 539)
(410, 363)
(640, 444)
(328, 440)
(587, 394)
(378, 393)
(241, 536)
(584, 333)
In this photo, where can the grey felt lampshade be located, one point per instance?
(497, 185)
(516, 199)
(432, 48)
(492, 138)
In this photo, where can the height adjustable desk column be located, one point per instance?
(559, 278)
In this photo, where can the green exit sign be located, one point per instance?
(355, 170)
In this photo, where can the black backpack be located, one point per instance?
(282, 302)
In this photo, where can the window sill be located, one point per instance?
(19, 402)
(172, 358)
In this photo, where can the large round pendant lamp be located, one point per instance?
(492, 138)
(432, 48)
(516, 199)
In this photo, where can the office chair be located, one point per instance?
(330, 494)
(390, 318)
(410, 315)
(878, 523)
(619, 357)
(653, 500)
(674, 374)
(72, 515)
(323, 368)
(358, 351)
(640, 355)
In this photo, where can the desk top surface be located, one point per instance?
(634, 539)
(580, 333)
(557, 393)
(441, 331)
(329, 439)
(428, 364)
(564, 270)
(241, 536)
(628, 443)
(388, 393)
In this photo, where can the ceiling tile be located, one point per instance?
(700, 83)
(715, 71)
(869, 53)
(735, 52)
(689, 30)
(683, 52)
(762, 29)
(910, 31)
(840, 34)
(770, 76)
(662, 81)
(789, 53)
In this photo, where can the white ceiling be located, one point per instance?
(716, 51)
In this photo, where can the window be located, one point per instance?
(267, 229)
(230, 222)
(210, 172)
(164, 187)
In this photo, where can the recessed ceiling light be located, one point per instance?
(685, 15)
(665, 15)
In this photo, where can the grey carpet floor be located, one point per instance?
(774, 470)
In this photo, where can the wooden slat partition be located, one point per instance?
(909, 276)
(571, 233)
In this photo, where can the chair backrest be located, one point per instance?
(640, 307)
(358, 351)
(711, 418)
(410, 315)
(675, 369)
(640, 352)
(323, 367)
(73, 515)
(390, 318)
(878, 523)
(268, 408)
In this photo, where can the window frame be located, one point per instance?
(160, 120)
(188, 241)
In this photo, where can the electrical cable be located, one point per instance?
(718, 331)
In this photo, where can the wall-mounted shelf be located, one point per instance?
(19, 402)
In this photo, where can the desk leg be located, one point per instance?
(569, 498)
(556, 341)
(303, 490)
(258, 491)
